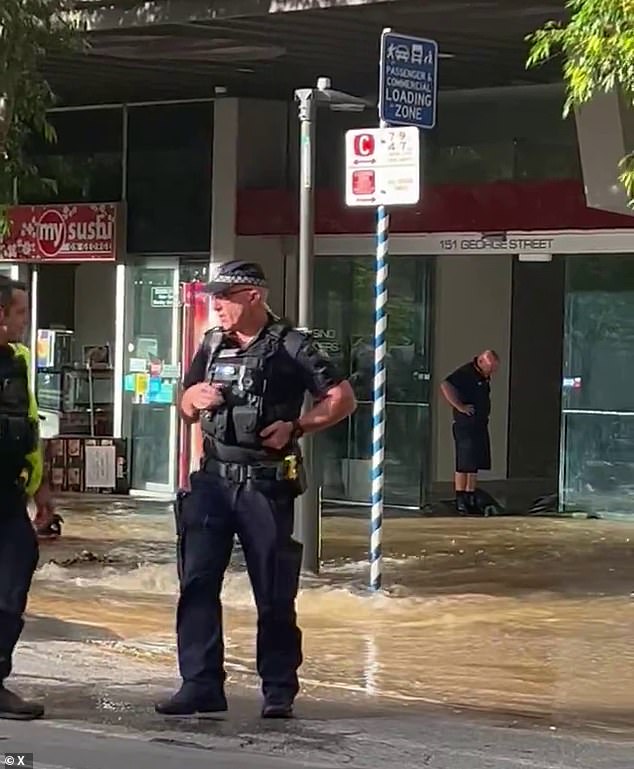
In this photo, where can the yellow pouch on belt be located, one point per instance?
(290, 468)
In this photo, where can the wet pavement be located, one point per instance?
(319, 739)
(516, 621)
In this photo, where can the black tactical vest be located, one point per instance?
(232, 431)
(18, 432)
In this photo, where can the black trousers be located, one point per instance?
(472, 446)
(209, 516)
(19, 554)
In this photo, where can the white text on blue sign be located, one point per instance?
(409, 81)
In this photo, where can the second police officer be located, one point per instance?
(246, 386)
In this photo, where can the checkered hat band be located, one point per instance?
(232, 280)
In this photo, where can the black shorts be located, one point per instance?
(473, 447)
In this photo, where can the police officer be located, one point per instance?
(468, 391)
(21, 477)
(246, 386)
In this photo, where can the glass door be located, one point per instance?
(195, 321)
(344, 321)
(151, 373)
(597, 426)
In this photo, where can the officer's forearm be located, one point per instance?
(338, 404)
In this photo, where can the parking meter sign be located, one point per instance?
(383, 166)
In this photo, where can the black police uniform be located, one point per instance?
(18, 542)
(471, 433)
(246, 489)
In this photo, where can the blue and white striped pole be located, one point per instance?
(378, 412)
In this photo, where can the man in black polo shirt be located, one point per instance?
(468, 391)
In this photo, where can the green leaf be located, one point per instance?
(596, 47)
(30, 31)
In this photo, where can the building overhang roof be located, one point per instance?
(189, 49)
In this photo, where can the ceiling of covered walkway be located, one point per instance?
(181, 49)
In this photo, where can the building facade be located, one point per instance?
(502, 251)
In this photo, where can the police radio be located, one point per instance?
(242, 384)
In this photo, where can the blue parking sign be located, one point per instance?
(408, 80)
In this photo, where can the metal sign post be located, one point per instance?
(408, 79)
(382, 167)
(378, 394)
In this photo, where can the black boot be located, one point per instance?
(472, 504)
(14, 707)
(188, 703)
(278, 707)
(461, 503)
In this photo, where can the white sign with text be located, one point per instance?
(383, 166)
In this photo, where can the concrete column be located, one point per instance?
(263, 158)
(473, 297)
(224, 181)
(605, 131)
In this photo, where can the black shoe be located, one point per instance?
(14, 707)
(186, 704)
(277, 710)
(472, 504)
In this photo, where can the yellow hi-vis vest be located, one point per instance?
(34, 471)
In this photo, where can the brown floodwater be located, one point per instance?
(516, 615)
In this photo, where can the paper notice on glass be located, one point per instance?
(100, 467)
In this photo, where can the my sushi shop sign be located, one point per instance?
(61, 233)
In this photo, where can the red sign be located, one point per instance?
(64, 233)
(364, 145)
(363, 183)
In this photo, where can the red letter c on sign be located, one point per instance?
(364, 145)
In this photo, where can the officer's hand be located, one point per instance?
(4, 336)
(468, 410)
(277, 435)
(45, 510)
(44, 499)
(205, 396)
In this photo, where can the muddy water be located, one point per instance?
(533, 616)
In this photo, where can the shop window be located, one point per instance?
(85, 162)
(344, 320)
(598, 398)
(470, 164)
(480, 137)
(169, 178)
(540, 160)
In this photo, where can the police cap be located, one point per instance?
(236, 273)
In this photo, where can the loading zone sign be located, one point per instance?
(382, 166)
(408, 80)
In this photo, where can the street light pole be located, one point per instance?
(308, 522)
(307, 114)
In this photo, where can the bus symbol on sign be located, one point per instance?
(364, 145)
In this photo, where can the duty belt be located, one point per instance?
(237, 473)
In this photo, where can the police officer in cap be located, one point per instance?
(246, 386)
